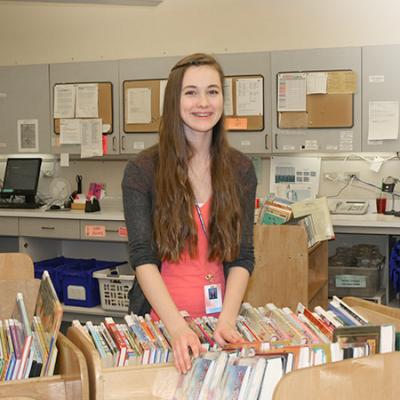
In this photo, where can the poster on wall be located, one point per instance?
(28, 135)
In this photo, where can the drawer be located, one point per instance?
(49, 228)
(8, 226)
(114, 231)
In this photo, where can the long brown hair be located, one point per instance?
(174, 224)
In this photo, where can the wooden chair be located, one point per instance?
(16, 266)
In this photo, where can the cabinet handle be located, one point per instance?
(114, 142)
(112, 230)
(51, 228)
(276, 141)
(266, 141)
(123, 143)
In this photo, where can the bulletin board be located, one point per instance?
(237, 122)
(154, 86)
(333, 109)
(105, 106)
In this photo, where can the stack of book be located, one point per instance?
(275, 211)
(138, 341)
(293, 340)
(302, 338)
(28, 349)
(312, 214)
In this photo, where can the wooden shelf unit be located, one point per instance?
(71, 382)
(130, 382)
(366, 378)
(287, 271)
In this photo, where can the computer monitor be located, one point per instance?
(21, 178)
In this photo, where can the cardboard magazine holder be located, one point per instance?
(71, 379)
(367, 378)
(129, 382)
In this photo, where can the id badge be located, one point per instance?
(213, 298)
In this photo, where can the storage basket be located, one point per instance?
(79, 286)
(115, 284)
(55, 267)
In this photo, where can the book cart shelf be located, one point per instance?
(344, 380)
(71, 381)
(287, 271)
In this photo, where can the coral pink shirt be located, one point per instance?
(185, 280)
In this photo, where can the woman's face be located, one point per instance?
(202, 101)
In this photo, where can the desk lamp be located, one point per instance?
(388, 185)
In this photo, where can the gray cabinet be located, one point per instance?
(86, 72)
(24, 95)
(140, 69)
(381, 83)
(317, 139)
(251, 64)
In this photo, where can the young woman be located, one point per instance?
(189, 210)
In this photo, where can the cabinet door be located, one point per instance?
(86, 72)
(317, 139)
(8, 226)
(49, 228)
(24, 95)
(251, 64)
(140, 69)
(114, 231)
(381, 83)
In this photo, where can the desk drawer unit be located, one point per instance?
(49, 228)
(114, 231)
(8, 226)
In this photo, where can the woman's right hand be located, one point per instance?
(184, 340)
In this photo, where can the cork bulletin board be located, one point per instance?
(105, 106)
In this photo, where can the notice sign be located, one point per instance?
(95, 231)
(351, 281)
(122, 232)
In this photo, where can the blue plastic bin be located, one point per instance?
(55, 266)
(78, 285)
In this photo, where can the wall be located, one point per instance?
(43, 33)
(48, 33)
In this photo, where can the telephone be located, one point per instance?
(350, 207)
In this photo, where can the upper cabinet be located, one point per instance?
(24, 109)
(381, 98)
(248, 88)
(142, 82)
(105, 75)
(316, 100)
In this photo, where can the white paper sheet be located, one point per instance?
(295, 178)
(163, 85)
(292, 91)
(92, 144)
(87, 100)
(70, 131)
(249, 96)
(138, 106)
(228, 100)
(64, 159)
(64, 101)
(28, 135)
(317, 82)
(383, 120)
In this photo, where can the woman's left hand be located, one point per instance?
(226, 332)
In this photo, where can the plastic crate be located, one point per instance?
(115, 284)
(79, 287)
(55, 267)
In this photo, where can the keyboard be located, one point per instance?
(10, 204)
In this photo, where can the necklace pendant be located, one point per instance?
(209, 277)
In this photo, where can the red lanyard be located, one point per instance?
(203, 225)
